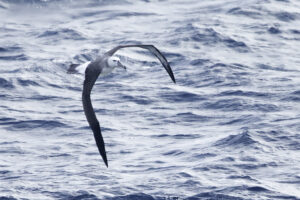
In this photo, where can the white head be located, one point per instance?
(115, 62)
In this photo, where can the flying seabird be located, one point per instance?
(101, 66)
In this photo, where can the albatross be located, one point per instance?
(101, 66)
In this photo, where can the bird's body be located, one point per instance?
(106, 70)
(102, 66)
(105, 64)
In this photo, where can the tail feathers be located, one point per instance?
(72, 69)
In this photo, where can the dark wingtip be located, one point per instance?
(106, 163)
(173, 79)
(171, 75)
(169, 70)
(103, 155)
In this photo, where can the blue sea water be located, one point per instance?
(229, 129)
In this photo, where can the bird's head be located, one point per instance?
(115, 62)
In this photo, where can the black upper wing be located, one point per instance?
(153, 50)
(90, 79)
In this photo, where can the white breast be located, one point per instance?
(106, 70)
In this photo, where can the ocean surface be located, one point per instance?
(227, 130)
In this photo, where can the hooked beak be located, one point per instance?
(121, 65)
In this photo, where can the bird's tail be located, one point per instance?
(72, 69)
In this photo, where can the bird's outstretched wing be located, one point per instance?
(91, 74)
(90, 79)
(153, 50)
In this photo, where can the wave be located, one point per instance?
(79, 195)
(178, 136)
(200, 62)
(12, 53)
(208, 37)
(138, 196)
(243, 12)
(7, 198)
(83, 195)
(237, 104)
(295, 31)
(274, 30)
(6, 84)
(243, 139)
(138, 99)
(269, 67)
(220, 74)
(285, 16)
(10, 49)
(213, 195)
(63, 33)
(191, 117)
(293, 96)
(24, 82)
(14, 57)
(11, 124)
(181, 96)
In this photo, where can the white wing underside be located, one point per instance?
(81, 68)
(105, 70)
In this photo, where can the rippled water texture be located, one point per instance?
(229, 129)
